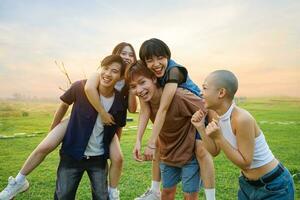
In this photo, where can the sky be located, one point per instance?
(257, 40)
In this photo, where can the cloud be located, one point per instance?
(251, 38)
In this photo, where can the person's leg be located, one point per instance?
(49, 143)
(119, 133)
(170, 176)
(154, 191)
(191, 196)
(97, 172)
(245, 190)
(207, 170)
(69, 174)
(281, 187)
(190, 180)
(115, 169)
(168, 193)
(155, 186)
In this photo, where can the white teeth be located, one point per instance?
(144, 94)
(106, 79)
(158, 69)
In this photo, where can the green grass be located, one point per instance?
(278, 118)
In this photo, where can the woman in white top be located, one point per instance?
(235, 131)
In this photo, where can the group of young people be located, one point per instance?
(189, 127)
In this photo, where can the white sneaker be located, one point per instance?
(149, 195)
(113, 195)
(13, 188)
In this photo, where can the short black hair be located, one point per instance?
(108, 60)
(154, 47)
(138, 68)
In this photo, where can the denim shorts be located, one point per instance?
(188, 174)
(281, 187)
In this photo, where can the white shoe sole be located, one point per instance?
(24, 189)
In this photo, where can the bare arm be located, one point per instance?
(165, 101)
(198, 121)
(132, 103)
(59, 114)
(91, 91)
(245, 136)
(143, 121)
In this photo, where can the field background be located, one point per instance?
(24, 124)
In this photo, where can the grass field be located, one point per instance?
(24, 125)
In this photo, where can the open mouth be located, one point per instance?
(127, 62)
(158, 70)
(143, 94)
(106, 80)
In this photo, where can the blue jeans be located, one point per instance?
(281, 187)
(70, 172)
(188, 174)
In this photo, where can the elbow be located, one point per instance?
(245, 165)
(214, 153)
(87, 89)
(132, 109)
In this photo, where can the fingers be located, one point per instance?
(148, 154)
(212, 127)
(137, 156)
(109, 120)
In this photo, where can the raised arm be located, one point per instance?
(245, 136)
(91, 91)
(198, 121)
(59, 114)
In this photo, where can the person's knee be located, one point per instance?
(117, 159)
(168, 193)
(191, 196)
(201, 151)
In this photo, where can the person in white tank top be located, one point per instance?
(234, 131)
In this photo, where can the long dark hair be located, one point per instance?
(118, 49)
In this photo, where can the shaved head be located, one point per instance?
(224, 79)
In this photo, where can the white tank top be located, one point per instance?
(262, 153)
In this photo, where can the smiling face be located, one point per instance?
(210, 93)
(127, 54)
(158, 65)
(143, 87)
(110, 74)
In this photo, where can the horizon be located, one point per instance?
(257, 40)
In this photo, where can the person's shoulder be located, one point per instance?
(241, 117)
(79, 83)
(184, 95)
